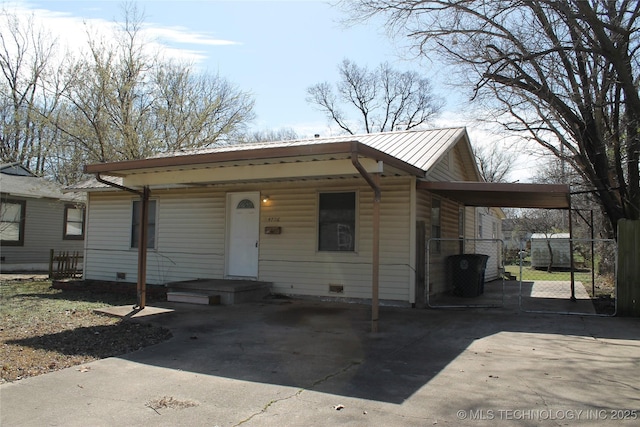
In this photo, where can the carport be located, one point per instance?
(508, 195)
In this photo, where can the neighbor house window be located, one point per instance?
(73, 223)
(135, 224)
(12, 215)
(480, 233)
(337, 221)
(436, 225)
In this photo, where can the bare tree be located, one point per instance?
(25, 60)
(126, 102)
(566, 73)
(196, 110)
(494, 162)
(116, 100)
(383, 99)
(283, 134)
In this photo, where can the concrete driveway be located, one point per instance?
(305, 363)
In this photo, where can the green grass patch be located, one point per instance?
(530, 274)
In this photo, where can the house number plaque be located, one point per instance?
(272, 230)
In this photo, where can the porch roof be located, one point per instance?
(504, 195)
(406, 152)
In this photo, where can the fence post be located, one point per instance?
(51, 254)
(628, 295)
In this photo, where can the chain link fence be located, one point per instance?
(464, 273)
(542, 267)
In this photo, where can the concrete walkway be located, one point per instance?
(301, 363)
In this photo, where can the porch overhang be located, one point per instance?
(503, 195)
(257, 164)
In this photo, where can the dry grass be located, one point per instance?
(44, 329)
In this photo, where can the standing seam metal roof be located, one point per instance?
(419, 148)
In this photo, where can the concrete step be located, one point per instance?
(193, 298)
(229, 291)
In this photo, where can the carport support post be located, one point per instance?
(573, 281)
(142, 248)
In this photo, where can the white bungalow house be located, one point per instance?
(343, 216)
(36, 217)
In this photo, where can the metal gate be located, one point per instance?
(550, 283)
(464, 273)
(538, 277)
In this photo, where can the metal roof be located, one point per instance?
(414, 151)
(411, 152)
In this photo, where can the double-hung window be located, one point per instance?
(136, 223)
(73, 223)
(337, 222)
(12, 218)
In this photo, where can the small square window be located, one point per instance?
(337, 222)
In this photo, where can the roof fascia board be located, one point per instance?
(219, 157)
(472, 154)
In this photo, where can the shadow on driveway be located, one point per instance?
(328, 347)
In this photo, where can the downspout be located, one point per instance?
(142, 241)
(374, 183)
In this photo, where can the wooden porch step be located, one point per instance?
(193, 298)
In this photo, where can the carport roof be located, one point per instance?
(503, 195)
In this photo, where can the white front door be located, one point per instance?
(243, 212)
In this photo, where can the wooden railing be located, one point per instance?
(65, 265)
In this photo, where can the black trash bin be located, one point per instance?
(466, 273)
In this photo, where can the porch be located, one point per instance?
(217, 291)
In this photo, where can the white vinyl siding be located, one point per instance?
(490, 247)
(191, 238)
(450, 168)
(292, 262)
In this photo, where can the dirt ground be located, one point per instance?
(44, 329)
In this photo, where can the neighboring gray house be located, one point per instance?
(35, 217)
